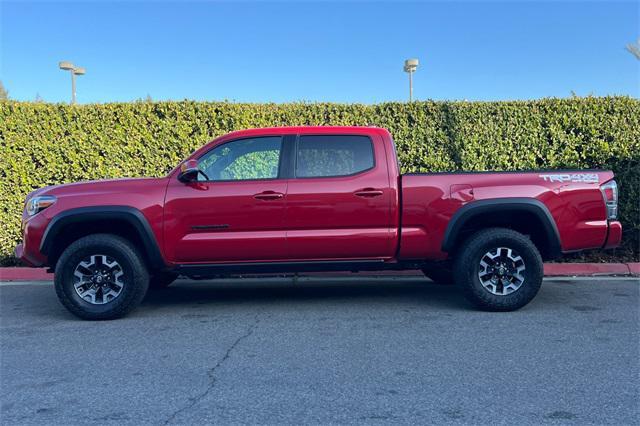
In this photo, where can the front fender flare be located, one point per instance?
(128, 214)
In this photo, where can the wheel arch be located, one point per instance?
(526, 215)
(125, 221)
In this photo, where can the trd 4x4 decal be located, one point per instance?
(575, 177)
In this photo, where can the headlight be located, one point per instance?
(37, 204)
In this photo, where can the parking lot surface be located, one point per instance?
(324, 350)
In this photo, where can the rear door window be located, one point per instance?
(333, 155)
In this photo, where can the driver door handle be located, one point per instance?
(269, 195)
(368, 193)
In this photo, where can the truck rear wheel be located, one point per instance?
(499, 269)
(101, 277)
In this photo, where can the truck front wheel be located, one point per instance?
(101, 277)
(499, 269)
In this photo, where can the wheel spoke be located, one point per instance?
(110, 294)
(89, 295)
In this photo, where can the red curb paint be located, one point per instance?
(550, 269)
(585, 269)
(634, 268)
(25, 274)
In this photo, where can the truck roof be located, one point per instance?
(306, 129)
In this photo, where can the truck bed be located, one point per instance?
(572, 199)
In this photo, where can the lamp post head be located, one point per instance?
(410, 65)
(66, 65)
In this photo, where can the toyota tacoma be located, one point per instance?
(312, 199)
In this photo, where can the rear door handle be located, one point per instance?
(268, 195)
(368, 192)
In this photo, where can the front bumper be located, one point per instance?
(23, 256)
(19, 252)
(28, 251)
(614, 236)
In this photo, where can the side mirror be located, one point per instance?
(189, 171)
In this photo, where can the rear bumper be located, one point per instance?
(614, 236)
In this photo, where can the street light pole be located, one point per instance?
(68, 66)
(410, 66)
(73, 88)
(410, 86)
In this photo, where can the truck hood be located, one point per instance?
(93, 187)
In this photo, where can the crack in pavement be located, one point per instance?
(211, 373)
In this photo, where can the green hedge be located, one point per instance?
(46, 144)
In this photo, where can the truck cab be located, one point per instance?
(270, 175)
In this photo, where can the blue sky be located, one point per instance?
(325, 51)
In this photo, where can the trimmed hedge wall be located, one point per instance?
(45, 144)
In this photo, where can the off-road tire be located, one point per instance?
(162, 280)
(467, 266)
(136, 278)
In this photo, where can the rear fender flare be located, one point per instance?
(501, 205)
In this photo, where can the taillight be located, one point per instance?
(610, 194)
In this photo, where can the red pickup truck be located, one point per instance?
(312, 199)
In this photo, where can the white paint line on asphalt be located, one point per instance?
(333, 279)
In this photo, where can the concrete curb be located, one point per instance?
(550, 269)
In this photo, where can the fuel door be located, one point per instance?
(461, 192)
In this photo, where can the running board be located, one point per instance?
(217, 269)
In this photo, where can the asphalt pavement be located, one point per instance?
(324, 351)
